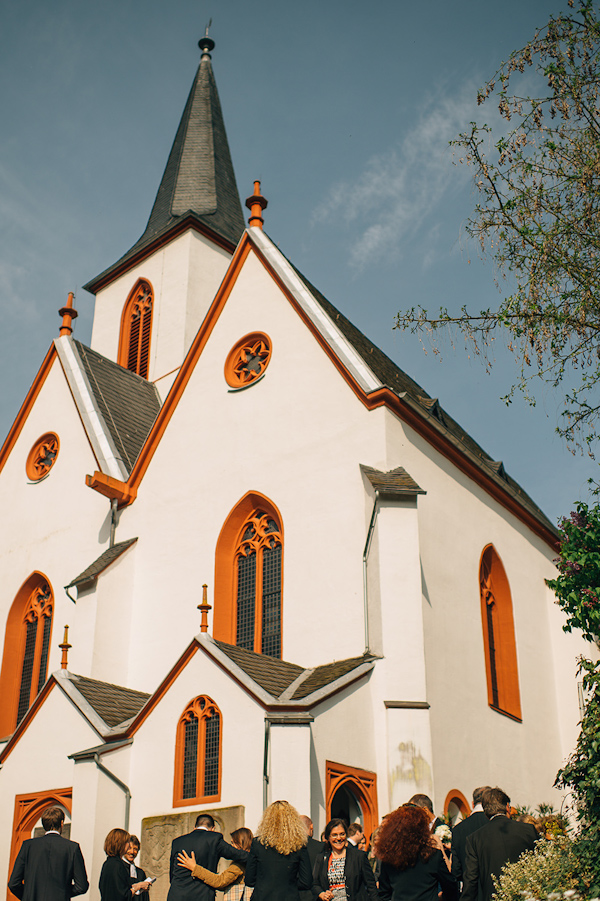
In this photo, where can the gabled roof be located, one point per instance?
(394, 483)
(198, 183)
(114, 704)
(101, 563)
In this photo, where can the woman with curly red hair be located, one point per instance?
(412, 865)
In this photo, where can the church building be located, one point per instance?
(286, 570)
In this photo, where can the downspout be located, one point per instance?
(266, 764)
(113, 520)
(121, 785)
(365, 559)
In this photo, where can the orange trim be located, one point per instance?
(382, 397)
(26, 406)
(136, 358)
(112, 488)
(22, 727)
(14, 650)
(256, 346)
(28, 810)
(42, 456)
(363, 785)
(225, 612)
(501, 666)
(456, 797)
(194, 708)
(190, 222)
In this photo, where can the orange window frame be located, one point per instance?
(23, 607)
(363, 784)
(455, 796)
(498, 626)
(202, 713)
(226, 570)
(137, 359)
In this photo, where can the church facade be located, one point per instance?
(286, 570)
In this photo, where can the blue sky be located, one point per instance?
(344, 111)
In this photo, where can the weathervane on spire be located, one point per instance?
(205, 43)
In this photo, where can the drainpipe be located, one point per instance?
(121, 785)
(266, 764)
(365, 559)
(113, 520)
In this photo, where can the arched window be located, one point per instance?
(136, 329)
(26, 648)
(248, 578)
(499, 636)
(198, 753)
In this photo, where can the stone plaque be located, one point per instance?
(158, 833)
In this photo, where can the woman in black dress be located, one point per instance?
(278, 864)
(342, 872)
(412, 864)
(115, 884)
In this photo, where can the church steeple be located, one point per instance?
(198, 184)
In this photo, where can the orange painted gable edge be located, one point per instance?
(31, 397)
(380, 397)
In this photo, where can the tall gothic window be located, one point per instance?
(198, 753)
(26, 649)
(136, 329)
(499, 636)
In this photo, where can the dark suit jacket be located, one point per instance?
(460, 834)
(358, 875)
(501, 841)
(115, 882)
(314, 848)
(49, 867)
(208, 848)
(275, 876)
(419, 881)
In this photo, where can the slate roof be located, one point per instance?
(275, 676)
(198, 180)
(395, 482)
(394, 378)
(113, 703)
(103, 562)
(128, 403)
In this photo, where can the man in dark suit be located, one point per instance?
(499, 842)
(464, 829)
(313, 847)
(207, 847)
(49, 867)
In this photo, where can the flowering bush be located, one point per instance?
(552, 867)
(577, 587)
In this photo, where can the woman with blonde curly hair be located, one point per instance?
(278, 864)
(412, 864)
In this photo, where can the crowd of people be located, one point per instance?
(411, 856)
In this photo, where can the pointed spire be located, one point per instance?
(256, 203)
(198, 180)
(68, 313)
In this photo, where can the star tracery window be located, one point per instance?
(42, 456)
(247, 360)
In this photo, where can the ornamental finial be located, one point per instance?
(68, 313)
(65, 649)
(205, 43)
(256, 203)
(204, 607)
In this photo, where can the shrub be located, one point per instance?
(552, 867)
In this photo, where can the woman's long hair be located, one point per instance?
(281, 828)
(242, 837)
(404, 837)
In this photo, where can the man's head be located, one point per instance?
(425, 802)
(205, 821)
(494, 802)
(53, 819)
(478, 794)
(355, 833)
(308, 824)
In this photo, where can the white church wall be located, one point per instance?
(184, 275)
(44, 530)
(289, 765)
(297, 436)
(113, 630)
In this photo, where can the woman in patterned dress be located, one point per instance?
(342, 872)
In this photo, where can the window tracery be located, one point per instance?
(247, 360)
(42, 456)
(198, 763)
(258, 602)
(136, 329)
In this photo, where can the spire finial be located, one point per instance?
(65, 649)
(205, 43)
(68, 313)
(204, 607)
(256, 203)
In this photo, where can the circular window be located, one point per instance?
(247, 360)
(42, 456)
